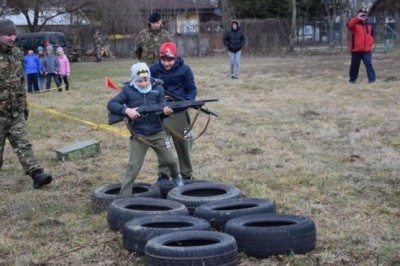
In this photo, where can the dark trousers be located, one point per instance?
(32, 82)
(56, 80)
(356, 58)
(65, 80)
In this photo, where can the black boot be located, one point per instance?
(40, 179)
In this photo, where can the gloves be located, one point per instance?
(26, 113)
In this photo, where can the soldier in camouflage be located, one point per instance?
(149, 40)
(98, 44)
(13, 109)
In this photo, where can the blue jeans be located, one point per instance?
(356, 58)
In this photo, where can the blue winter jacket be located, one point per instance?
(178, 80)
(147, 124)
(32, 64)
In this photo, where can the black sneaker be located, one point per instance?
(162, 178)
(188, 177)
(40, 179)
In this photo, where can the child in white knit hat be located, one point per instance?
(147, 130)
(65, 69)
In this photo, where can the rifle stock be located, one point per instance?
(149, 108)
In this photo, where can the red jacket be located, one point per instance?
(362, 35)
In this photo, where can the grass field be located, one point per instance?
(290, 129)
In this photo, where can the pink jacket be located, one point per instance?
(64, 65)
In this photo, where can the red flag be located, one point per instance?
(111, 84)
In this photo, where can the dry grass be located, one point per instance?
(291, 129)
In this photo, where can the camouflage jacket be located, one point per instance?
(12, 89)
(97, 40)
(148, 42)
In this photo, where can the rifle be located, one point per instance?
(149, 108)
(178, 98)
(112, 85)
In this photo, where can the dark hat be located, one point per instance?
(154, 17)
(363, 10)
(7, 27)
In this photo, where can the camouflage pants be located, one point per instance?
(13, 129)
(98, 52)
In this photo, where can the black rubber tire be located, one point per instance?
(103, 196)
(121, 211)
(219, 212)
(264, 235)
(136, 232)
(194, 195)
(195, 248)
(167, 186)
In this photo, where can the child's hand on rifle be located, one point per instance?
(132, 113)
(167, 110)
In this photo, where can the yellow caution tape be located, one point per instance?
(122, 132)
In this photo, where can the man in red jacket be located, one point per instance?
(361, 42)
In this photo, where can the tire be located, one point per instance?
(136, 232)
(103, 196)
(195, 248)
(167, 186)
(218, 213)
(264, 235)
(121, 211)
(194, 195)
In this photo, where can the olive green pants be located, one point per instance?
(138, 149)
(179, 122)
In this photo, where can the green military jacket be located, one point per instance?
(148, 43)
(12, 89)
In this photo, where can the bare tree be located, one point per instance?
(40, 12)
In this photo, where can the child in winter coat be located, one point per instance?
(64, 67)
(32, 69)
(42, 80)
(51, 67)
(147, 130)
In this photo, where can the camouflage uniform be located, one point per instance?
(98, 44)
(148, 42)
(12, 108)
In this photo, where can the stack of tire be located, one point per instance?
(203, 223)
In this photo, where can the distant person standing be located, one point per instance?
(41, 77)
(32, 69)
(51, 67)
(361, 42)
(65, 68)
(234, 40)
(13, 109)
(98, 45)
(149, 40)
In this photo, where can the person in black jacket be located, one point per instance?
(147, 130)
(234, 41)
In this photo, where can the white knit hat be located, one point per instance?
(139, 70)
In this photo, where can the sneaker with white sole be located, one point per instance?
(178, 181)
